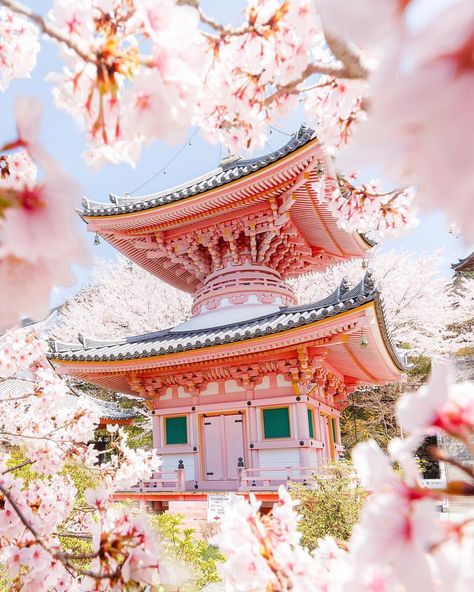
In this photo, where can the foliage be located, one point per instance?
(371, 412)
(200, 557)
(331, 507)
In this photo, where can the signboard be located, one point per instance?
(216, 506)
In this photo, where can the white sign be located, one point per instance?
(216, 506)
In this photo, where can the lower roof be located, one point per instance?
(170, 341)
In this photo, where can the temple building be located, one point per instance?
(247, 394)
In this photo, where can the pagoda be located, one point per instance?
(247, 394)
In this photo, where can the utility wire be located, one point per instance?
(280, 131)
(170, 161)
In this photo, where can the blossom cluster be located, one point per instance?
(51, 426)
(19, 46)
(38, 240)
(95, 86)
(270, 50)
(367, 208)
(400, 544)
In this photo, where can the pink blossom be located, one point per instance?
(19, 46)
(399, 524)
(439, 404)
(363, 22)
(420, 108)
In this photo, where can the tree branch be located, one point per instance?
(21, 465)
(46, 28)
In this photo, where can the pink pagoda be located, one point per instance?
(247, 394)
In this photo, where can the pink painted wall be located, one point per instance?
(222, 427)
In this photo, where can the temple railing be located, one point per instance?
(272, 478)
(164, 481)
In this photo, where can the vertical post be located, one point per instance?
(240, 472)
(156, 434)
(318, 432)
(304, 452)
(194, 440)
(181, 478)
(253, 436)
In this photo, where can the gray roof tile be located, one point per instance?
(224, 174)
(164, 342)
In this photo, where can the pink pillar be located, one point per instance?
(253, 436)
(155, 419)
(156, 434)
(318, 434)
(304, 453)
(194, 441)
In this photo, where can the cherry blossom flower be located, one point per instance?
(438, 405)
(411, 134)
(38, 238)
(363, 22)
(399, 525)
(19, 46)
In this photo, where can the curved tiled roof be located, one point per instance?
(167, 341)
(226, 173)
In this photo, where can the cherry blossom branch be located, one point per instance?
(20, 466)
(46, 28)
(65, 558)
(207, 20)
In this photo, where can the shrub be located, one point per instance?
(197, 558)
(331, 507)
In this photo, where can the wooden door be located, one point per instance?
(234, 443)
(222, 446)
(213, 442)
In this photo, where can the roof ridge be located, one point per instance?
(286, 318)
(220, 176)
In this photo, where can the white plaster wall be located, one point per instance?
(283, 457)
(211, 389)
(231, 386)
(170, 463)
(167, 395)
(282, 380)
(264, 384)
(182, 394)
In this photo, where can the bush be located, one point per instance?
(196, 558)
(331, 507)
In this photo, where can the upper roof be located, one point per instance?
(167, 341)
(277, 200)
(225, 173)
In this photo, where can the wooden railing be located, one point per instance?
(271, 478)
(164, 481)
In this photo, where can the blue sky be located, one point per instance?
(65, 142)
